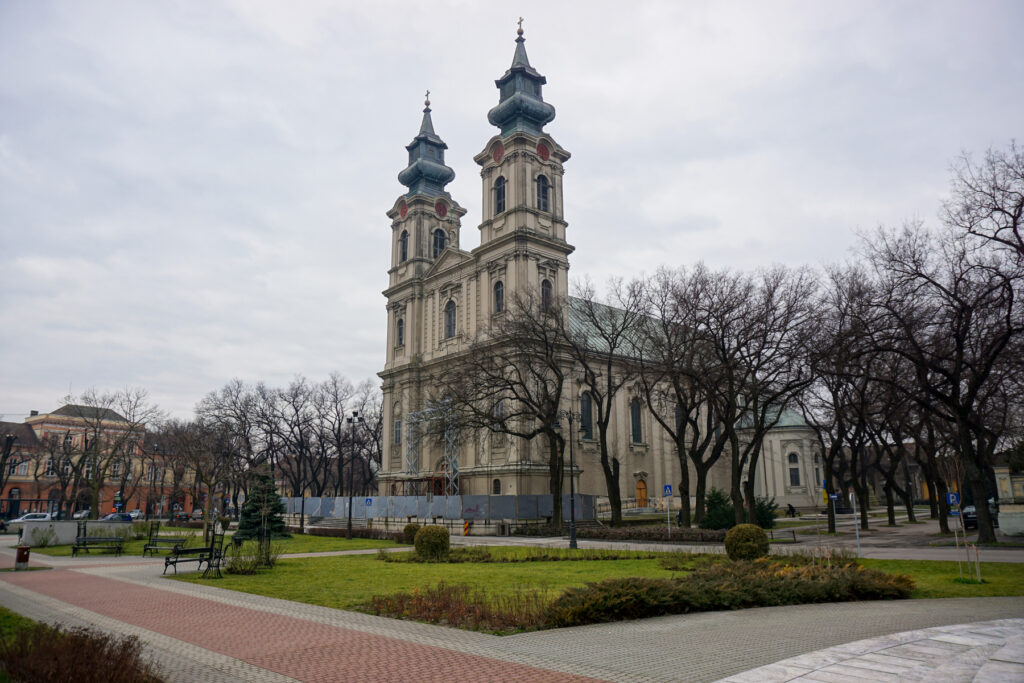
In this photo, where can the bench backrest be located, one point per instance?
(82, 530)
(154, 530)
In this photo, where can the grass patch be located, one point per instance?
(937, 579)
(298, 543)
(11, 623)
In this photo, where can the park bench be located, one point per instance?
(158, 543)
(83, 541)
(212, 555)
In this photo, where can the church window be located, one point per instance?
(403, 246)
(397, 438)
(794, 470)
(439, 240)
(499, 195)
(400, 332)
(496, 487)
(499, 296)
(499, 414)
(634, 419)
(449, 320)
(586, 416)
(545, 295)
(543, 193)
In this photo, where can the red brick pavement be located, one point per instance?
(301, 649)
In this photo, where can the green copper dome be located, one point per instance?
(426, 172)
(521, 106)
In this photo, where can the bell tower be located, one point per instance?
(522, 232)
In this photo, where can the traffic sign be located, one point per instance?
(369, 502)
(834, 496)
(668, 490)
(952, 498)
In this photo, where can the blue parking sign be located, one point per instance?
(952, 498)
(668, 490)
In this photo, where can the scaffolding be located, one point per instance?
(442, 411)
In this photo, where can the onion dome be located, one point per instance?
(520, 105)
(426, 172)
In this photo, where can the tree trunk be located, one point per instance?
(556, 467)
(940, 495)
(890, 504)
(684, 486)
(976, 480)
(700, 495)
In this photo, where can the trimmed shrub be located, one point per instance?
(727, 585)
(432, 543)
(410, 532)
(461, 606)
(656, 533)
(746, 542)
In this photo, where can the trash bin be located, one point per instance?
(21, 560)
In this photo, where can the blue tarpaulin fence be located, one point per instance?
(445, 507)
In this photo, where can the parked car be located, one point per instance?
(970, 515)
(33, 517)
(116, 517)
(180, 516)
(136, 514)
(197, 514)
(81, 514)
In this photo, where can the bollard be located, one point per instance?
(465, 528)
(21, 560)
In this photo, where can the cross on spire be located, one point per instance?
(520, 31)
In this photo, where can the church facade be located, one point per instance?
(440, 297)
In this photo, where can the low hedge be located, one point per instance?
(377, 534)
(658, 534)
(731, 585)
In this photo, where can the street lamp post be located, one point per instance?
(353, 422)
(571, 416)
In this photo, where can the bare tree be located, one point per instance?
(603, 341)
(512, 378)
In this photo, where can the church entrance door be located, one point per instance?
(641, 493)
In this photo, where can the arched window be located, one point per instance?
(449, 320)
(499, 195)
(499, 296)
(543, 193)
(545, 295)
(400, 332)
(396, 437)
(586, 416)
(403, 246)
(496, 487)
(794, 469)
(634, 420)
(439, 239)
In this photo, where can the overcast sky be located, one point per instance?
(195, 191)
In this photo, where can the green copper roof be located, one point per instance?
(426, 172)
(521, 106)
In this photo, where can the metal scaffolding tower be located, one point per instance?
(439, 411)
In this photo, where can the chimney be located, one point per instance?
(33, 413)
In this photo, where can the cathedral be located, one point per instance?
(440, 296)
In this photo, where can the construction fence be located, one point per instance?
(477, 508)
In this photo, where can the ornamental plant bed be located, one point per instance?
(375, 534)
(477, 554)
(656, 534)
(725, 585)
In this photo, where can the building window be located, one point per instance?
(400, 332)
(499, 195)
(634, 419)
(397, 436)
(543, 194)
(403, 246)
(794, 469)
(65, 469)
(586, 416)
(449, 320)
(115, 470)
(545, 295)
(151, 473)
(499, 296)
(496, 487)
(12, 469)
(50, 471)
(88, 470)
(439, 240)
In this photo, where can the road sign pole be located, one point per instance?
(667, 495)
(856, 527)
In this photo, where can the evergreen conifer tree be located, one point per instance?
(263, 506)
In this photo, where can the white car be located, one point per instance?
(33, 517)
(81, 514)
(136, 514)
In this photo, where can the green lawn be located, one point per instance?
(10, 622)
(938, 579)
(298, 543)
(347, 582)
